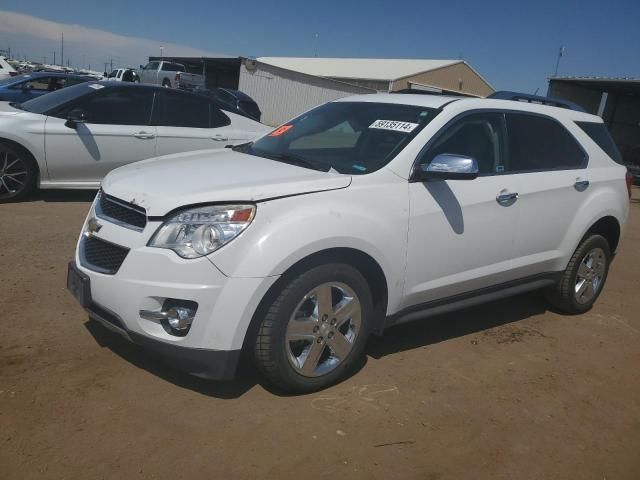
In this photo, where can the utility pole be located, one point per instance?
(315, 47)
(62, 50)
(111, 68)
(105, 66)
(54, 57)
(560, 54)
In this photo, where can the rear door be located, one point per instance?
(187, 122)
(551, 167)
(462, 232)
(117, 132)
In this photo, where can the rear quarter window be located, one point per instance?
(600, 135)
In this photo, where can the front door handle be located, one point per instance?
(581, 185)
(506, 199)
(144, 135)
(220, 139)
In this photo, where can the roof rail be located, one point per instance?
(525, 97)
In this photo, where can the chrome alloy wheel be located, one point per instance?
(13, 174)
(590, 275)
(323, 329)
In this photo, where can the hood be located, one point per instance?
(166, 183)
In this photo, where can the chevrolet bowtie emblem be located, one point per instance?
(92, 227)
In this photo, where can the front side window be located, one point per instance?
(41, 84)
(477, 135)
(350, 137)
(114, 106)
(151, 66)
(172, 67)
(537, 143)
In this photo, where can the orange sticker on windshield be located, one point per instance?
(280, 130)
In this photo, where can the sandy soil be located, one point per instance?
(506, 391)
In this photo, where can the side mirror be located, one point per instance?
(141, 67)
(74, 117)
(447, 166)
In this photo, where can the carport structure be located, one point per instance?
(616, 100)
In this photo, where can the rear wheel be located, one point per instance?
(315, 331)
(582, 282)
(18, 173)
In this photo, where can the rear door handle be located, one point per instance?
(144, 135)
(581, 185)
(506, 199)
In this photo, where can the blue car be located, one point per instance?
(25, 87)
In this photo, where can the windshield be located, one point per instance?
(45, 103)
(11, 80)
(350, 137)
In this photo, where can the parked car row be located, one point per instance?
(22, 88)
(72, 137)
(358, 215)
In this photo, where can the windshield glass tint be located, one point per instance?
(350, 137)
(55, 99)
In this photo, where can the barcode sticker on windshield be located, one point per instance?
(394, 126)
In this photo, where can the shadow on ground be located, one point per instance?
(456, 324)
(397, 339)
(62, 196)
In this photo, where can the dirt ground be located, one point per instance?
(506, 391)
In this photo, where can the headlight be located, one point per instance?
(199, 231)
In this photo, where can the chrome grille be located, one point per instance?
(120, 212)
(101, 256)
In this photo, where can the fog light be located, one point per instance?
(180, 318)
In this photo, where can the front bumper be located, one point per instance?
(201, 362)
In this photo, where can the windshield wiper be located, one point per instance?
(17, 105)
(293, 160)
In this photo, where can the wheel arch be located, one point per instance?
(609, 227)
(361, 261)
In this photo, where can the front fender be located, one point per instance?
(290, 229)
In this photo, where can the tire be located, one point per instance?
(308, 355)
(18, 173)
(586, 272)
(166, 83)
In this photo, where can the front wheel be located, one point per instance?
(582, 281)
(316, 329)
(18, 173)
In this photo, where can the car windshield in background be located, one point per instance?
(350, 137)
(53, 100)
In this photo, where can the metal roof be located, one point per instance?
(357, 68)
(597, 79)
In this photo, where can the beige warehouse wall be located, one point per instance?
(449, 78)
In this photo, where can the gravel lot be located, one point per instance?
(509, 390)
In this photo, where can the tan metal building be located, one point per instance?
(390, 75)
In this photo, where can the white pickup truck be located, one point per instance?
(169, 74)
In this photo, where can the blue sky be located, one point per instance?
(512, 44)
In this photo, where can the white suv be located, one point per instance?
(358, 215)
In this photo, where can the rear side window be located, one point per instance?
(539, 143)
(599, 134)
(172, 67)
(128, 106)
(175, 109)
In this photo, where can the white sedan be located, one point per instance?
(73, 137)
